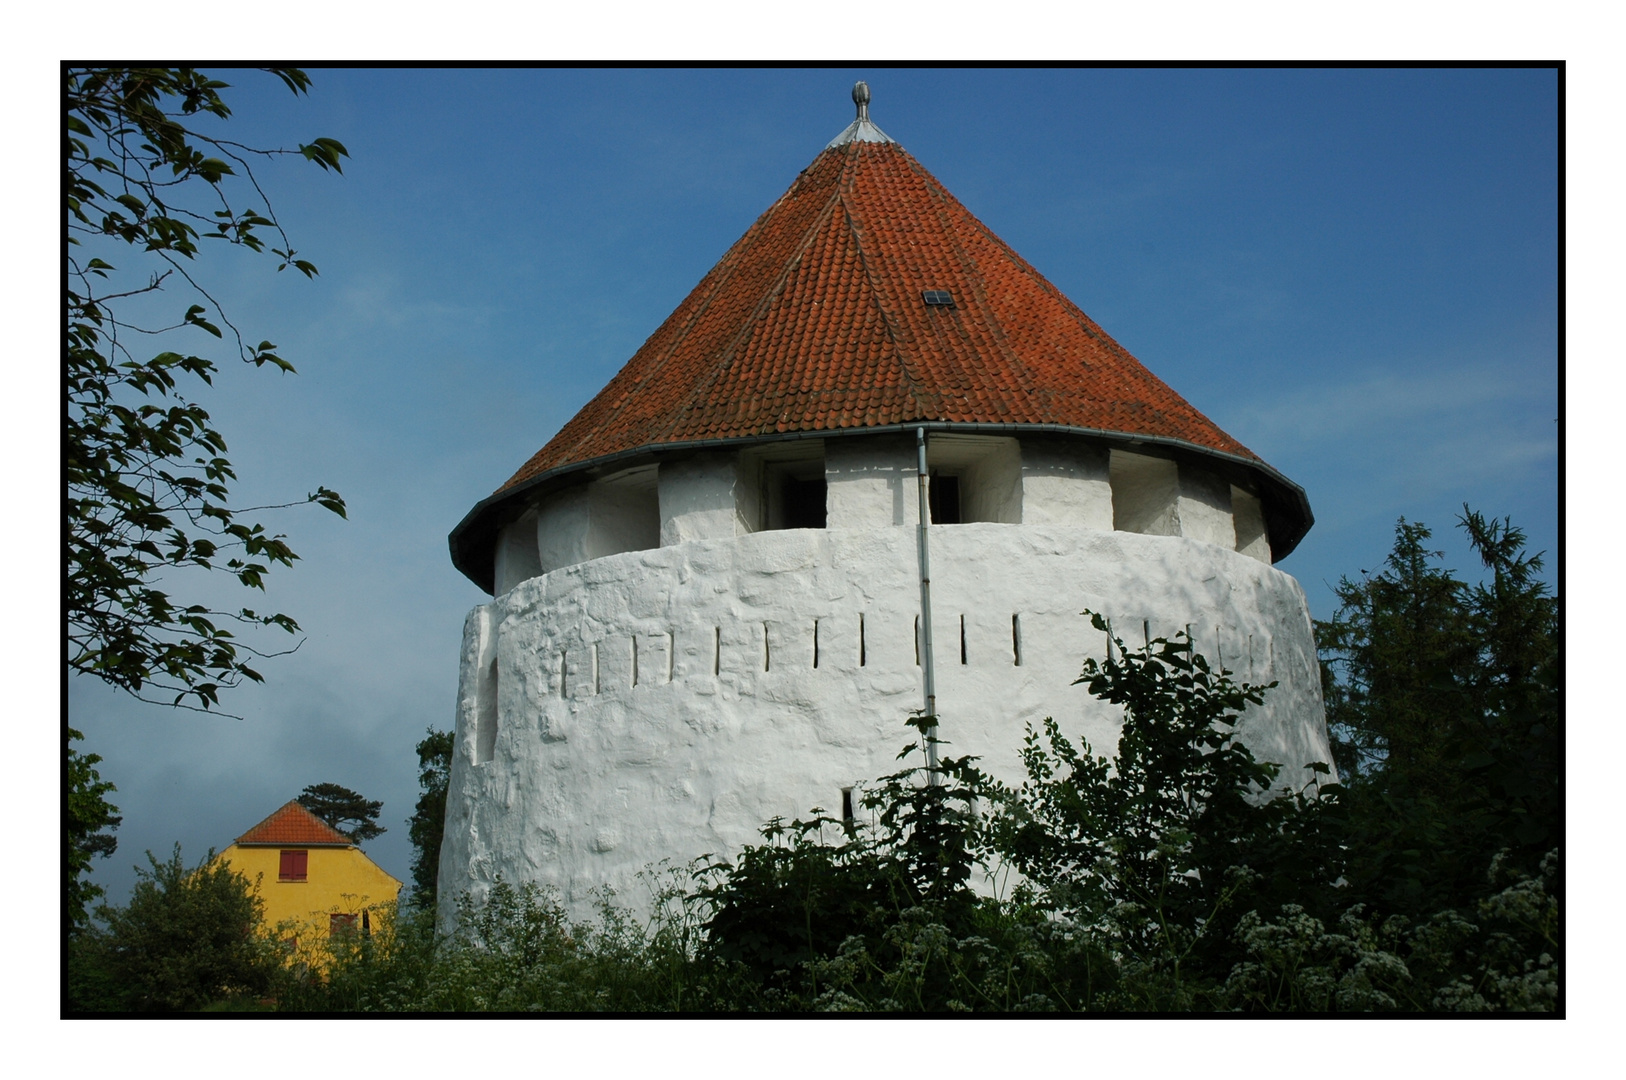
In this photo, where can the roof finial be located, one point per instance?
(861, 129)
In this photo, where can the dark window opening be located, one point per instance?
(485, 738)
(292, 865)
(804, 503)
(944, 499)
(937, 297)
(846, 804)
(962, 639)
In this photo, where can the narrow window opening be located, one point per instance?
(671, 654)
(564, 673)
(1146, 631)
(943, 497)
(717, 654)
(815, 643)
(635, 659)
(1219, 650)
(767, 652)
(485, 728)
(595, 668)
(917, 641)
(847, 804)
(962, 640)
(862, 658)
(1016, 641)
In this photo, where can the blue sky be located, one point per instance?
(1353, 272)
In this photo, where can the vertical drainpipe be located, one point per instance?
(926, 606)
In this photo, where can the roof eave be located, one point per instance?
(1288, 516)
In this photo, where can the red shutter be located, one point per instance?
(293, 865)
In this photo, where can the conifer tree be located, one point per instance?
(345, 810)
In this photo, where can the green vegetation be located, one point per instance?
(345, 810)
(88, 826)
(148, 500)
(188, 939)
(427, 824)
(1159, 880)
(146, 472)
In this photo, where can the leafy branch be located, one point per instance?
(147, 473)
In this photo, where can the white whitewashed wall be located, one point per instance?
(664, 703)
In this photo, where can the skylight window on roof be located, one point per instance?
(937, 297)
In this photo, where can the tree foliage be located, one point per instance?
(1445, 705)
(1181, 874)
(147, 473)
(347, 811)
(89, 822)
(1177, 834)
(785, 904)
(427, 825)
(188, 937)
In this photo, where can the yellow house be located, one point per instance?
(311, 875)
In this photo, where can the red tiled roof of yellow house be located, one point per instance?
(293, 825)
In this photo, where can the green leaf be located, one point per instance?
(194, 317)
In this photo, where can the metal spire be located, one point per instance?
(861, 129)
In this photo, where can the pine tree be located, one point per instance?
(340, 807)
(427, 824)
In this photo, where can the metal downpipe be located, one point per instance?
(926, 608)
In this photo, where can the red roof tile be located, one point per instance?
(294, 825)
(814, 321)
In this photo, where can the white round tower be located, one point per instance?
(707, 586)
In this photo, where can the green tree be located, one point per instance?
(809, 918)
(427, 825)
(188, 937)
(345, 810)
(1162, 847)
(1445, 701)
(1397, 654)
(147, 473)
(88, 826)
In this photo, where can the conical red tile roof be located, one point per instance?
(294, 825)
(814, 321)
